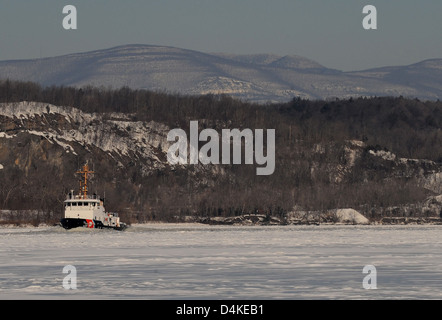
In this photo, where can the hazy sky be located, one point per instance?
(327, 31)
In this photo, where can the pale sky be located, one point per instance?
(329, 32)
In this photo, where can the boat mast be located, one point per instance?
(84, 172)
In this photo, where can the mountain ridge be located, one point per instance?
(251, 77)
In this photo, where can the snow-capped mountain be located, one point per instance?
(257, 78)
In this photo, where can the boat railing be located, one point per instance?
(71, 196)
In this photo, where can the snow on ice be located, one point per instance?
(194, 261)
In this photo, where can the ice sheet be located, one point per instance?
(191, 261)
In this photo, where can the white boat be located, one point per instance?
(83, 210)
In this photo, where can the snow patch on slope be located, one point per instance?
(351, 216)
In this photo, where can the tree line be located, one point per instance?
(409, 127)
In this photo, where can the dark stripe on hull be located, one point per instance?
(69, 223)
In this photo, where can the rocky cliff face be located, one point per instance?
(52, 133)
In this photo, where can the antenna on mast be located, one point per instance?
(84, 174)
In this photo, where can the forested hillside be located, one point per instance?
(381, 156)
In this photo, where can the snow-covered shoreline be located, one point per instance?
(243, 221)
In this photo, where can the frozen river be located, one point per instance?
(190, 261)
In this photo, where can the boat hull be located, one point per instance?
(70, 223)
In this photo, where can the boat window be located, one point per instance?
(74, 204)
(85, 204)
